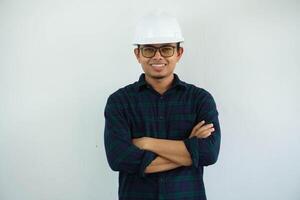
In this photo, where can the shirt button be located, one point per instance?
(161, 117)
(161, 97)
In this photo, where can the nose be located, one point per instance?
(157, 56)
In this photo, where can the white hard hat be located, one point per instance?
(156, 29)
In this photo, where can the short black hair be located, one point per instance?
(178, 46)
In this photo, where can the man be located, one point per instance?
(160, 131)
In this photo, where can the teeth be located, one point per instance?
(158, 65)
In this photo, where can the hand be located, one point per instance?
(201, 130)
(140, 142)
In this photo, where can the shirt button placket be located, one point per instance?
(160, 108)
(161, 117)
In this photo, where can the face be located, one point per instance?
(158, 66)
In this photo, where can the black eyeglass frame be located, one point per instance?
(159, 48)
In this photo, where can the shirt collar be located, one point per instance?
(176, 82)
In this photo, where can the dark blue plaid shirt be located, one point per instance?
(137, 110)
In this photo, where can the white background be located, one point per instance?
(59, 61)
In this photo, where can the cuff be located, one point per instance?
(147, 159)
(192, 147)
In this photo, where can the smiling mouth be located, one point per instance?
(158, 65)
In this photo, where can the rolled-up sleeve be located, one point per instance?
(121, 153)
(205, 151)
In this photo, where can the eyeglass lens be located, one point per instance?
(165, 51)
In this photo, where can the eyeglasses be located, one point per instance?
(150, 51)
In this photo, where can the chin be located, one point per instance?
(158, 76)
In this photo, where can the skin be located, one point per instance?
(171, 153)
(159, 80)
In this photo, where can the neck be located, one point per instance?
(160, 84)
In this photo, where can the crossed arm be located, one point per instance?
(171, 153)
(127, 155)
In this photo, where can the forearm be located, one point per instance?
(173, 150)
(160, 161)
(161, 164)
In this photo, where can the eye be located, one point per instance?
(148, 52)
(167, 50)
(148, 49)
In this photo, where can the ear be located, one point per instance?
(137, 53)
(179, 53)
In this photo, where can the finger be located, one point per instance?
(209, 130)
(200, 128)
(197, 126)
(135, 141)
(205, 127)
(201, 135)
(205, 132)
(206, 135)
